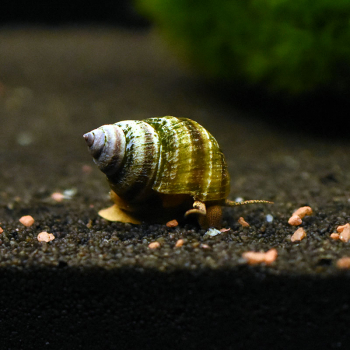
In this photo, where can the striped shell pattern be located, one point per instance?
(166, 155)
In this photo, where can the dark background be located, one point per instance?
(315, 111)
(120, 13)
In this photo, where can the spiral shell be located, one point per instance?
(163, 162)
(165, 155)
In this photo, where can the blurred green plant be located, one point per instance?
(289, 46)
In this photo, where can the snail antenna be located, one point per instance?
(229, 203)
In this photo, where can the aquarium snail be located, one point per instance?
(161, 167)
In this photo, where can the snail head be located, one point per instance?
(107, 147)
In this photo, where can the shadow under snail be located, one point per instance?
(162, 168)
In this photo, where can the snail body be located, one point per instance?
(159, 166)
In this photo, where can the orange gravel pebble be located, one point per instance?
(57, 196)
(242, 222)
(294, 220)
(172, 223)
(270, 256)
(341, 228)
(335, 236)
(345, 233)
(301, 212)
(45, 237)
(154, 245)
(27, 220)
(1, 230)
(254, 258)
(343, 263)
(179, 243)
(298, 235)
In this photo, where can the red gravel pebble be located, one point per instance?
(179, 243)
(254, 258)
(301, 212)
(295, 219)
(242, 222)
(27, 220)
(45, 237)
(57, 196)
(270, 256)
(172, 223)
(335, 236)
(298, 235)
(154, 245)
(343, 263)
(342, 227)
(345, 233)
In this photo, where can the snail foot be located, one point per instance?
(198, 209)
(114, 213)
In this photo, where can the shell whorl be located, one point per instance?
(135, 180)
(127, 152)
(191, 161)
(107, 146)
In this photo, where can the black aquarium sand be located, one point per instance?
(98, 285)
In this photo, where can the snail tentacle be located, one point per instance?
(229, 203)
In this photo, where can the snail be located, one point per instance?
(160, 168)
